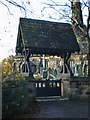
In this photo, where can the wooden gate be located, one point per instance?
(48, 88)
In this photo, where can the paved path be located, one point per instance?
(57, 109)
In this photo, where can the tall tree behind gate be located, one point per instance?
(81, 30)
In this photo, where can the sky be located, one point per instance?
(9, 21)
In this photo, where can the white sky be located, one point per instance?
(9, 23)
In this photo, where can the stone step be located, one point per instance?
(50, 98)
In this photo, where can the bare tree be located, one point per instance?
(12, 10)
(76, 18)
(80, 30)
(78, 26)
(61, 11)
(13, 3)
(20, 4)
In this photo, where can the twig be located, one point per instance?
(16, 4)
(6, 7)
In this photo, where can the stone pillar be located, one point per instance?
(80, 70)
(88, 57)
(65, 88)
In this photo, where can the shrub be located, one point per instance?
(16, 80)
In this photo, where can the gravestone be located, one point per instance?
(41, 71)
(55, 72)
(45, 73)
(76, 70)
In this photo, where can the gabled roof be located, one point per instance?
(45, 37)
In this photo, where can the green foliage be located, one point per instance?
(29, 78)
(13, 82)
(7, 67)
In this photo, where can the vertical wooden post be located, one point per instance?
(64, 65)
(27, 55)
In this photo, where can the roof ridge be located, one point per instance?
(39, 20)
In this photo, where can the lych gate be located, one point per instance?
(46, 38)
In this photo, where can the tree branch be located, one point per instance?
(15, 4)
(56, 5)
(6, 7)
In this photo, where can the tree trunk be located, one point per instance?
(77, 18)
(80, 30)
(78, 27)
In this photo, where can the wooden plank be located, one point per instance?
(48, 88)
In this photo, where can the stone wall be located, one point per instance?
(79, 88)
(76, 88)
(17, 99)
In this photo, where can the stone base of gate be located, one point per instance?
(65, 88)
(75, 88)
(80, 88)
